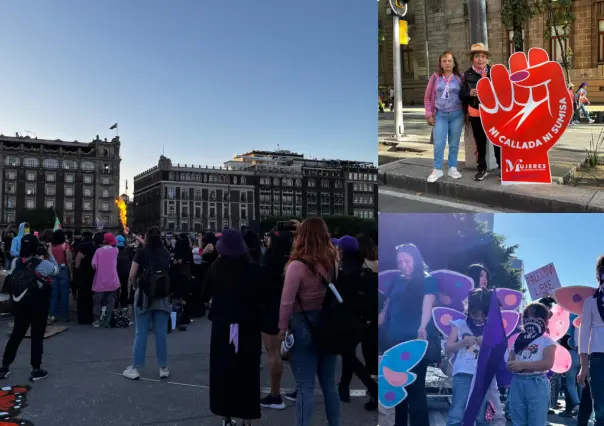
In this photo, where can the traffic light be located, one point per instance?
(404, 32)
(401, 3)
(399, 7)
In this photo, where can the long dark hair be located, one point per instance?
(419, 266)
(277, 254)
(252, 241)
(367, 247)
(153, 238)
(439, 69)
(474, 272)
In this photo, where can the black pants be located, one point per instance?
(369, 346)
(34, 315)
(351, 365)
(586, 406)
(481, 144)
(415, 406)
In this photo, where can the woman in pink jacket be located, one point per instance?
(444, 111)
(106, 281)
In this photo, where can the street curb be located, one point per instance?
(554, 198)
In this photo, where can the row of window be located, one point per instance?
(184, 195)
(68, 219)
(49, 163)
(184, 212)
(49, 203)
(363, 187)
(208, 178)
(363, 199)
(322, 173)
(30, 189)
(362, 176)
(275, 211)
(363, 213)
(52, 177)
(277, 182)
(184, 226)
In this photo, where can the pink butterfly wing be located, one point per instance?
(443, 317)
(562, 360)
(396, 378)
(510, 321)
(453, 288)
(572, 298)
(559, 322)
(510, 299)
(577, 322)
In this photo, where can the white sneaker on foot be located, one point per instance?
(591, 121)
(454, 173)
(435, 175)
(131, 373)
(164, 373)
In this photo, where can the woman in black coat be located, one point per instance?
(233, 285)
(85, 275)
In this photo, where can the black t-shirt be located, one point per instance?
(152, 256)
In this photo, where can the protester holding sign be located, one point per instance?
(407, 315)
(479, 56)
(444, 111)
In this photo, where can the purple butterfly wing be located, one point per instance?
(510, 299)
(386, 279)
(453, 288)
(510, 321)
(443, 317)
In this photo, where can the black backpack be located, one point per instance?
(339, 329)
(24, 281)
(154, 281)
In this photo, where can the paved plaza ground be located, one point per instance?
(85, 386)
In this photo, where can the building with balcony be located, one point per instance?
(250, 188)
(79, 180)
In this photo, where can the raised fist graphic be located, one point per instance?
(525, 112)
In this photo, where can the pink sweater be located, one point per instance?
(104, 262)
(300, 281)
(430, 95)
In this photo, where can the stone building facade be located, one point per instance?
(448, 29)
(80, 181)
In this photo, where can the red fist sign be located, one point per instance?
(525, 112)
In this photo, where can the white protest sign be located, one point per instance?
(542, 282)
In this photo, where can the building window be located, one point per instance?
(184, 227)
(105, 193)
(50, 163)
(170, 226)
(70, 165)
(105, 180)
(511, 45)
(87, 191)
(197, 212)
(69, 191)
(311, 183)
(407, 62)
(105, 206)
(11, 161)
(10, 188)
(171, 193)
(212, 196)
(49, 203)
(106, 167)
(601, 40)
(30, 203)
(87, 220)
(10, 217)
(185, 211)
(31, 162)
(276, 181)
(242, 180)
(11, 175)
(87, 166)
(87, 179)
(69, 178)
(68, 204)
(87, 205)
(243, 214)
(50, 190)
(30, 176)
(68, 219)
(555, 49)
(10, 203)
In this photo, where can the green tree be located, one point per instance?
(559, 18)
(515, 14)
(38, 219)
(449, 241)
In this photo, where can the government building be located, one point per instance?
(249, 188)
(80, 180)
(447, 28)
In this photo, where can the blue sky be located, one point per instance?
(572, 241)
(205, 79)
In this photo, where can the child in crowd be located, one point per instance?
(464, 340)
(530, 360)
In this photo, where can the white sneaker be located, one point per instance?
(436, 175)
(164, 373)
(131, 373)
(454, 173)
(591, 121)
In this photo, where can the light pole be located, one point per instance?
(399, 10)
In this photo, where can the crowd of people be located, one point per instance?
(270, 292)
(525, 388)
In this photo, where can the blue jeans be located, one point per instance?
(573, 392)
(160, 326)
(583, 108)
(306, 362)
(60, 290)
(529, 400)
(7, 263)
(596, 384)
(447, 124)
(461, 391)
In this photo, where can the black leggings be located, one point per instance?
(413, 411)
(481, 144)
(586, 406)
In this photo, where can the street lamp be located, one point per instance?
(399, 10)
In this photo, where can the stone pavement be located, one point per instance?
(408, 166)
(85, 386)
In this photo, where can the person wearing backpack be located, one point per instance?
(60, 284)
(30, 288)
(302, 313)
(150, 279)
(350, 285)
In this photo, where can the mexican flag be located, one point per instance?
(57, 223)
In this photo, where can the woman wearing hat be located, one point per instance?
(571, 91)
(479, 56)
(444, 111)
(235, 344)
(581, 99)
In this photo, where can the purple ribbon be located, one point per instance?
(234, 336)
